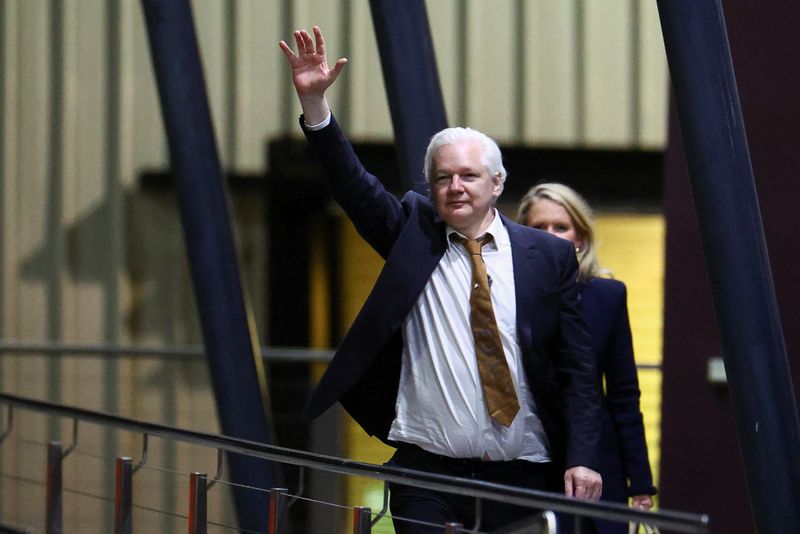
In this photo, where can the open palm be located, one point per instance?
(310, 71)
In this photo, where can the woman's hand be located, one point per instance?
(644, 502)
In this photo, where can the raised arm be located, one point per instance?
(311, 74)
(376, 213)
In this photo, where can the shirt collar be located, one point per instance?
(496, 229)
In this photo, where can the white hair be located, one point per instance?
(492, 158)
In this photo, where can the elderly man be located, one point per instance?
(469, 355)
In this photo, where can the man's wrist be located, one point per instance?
(315, 110)
(320, 125)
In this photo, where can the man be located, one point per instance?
(469, 355)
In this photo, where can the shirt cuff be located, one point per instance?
(314, 127)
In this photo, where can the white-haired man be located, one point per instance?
(469, 355)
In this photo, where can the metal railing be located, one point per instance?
(273, 354)
(670, 520)
(288, 354)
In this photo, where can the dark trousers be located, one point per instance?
(416, 510)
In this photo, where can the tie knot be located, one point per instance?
(473, 246)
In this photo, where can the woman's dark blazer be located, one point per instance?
(624, 464)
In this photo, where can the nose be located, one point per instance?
(455, 183)
(549, 229)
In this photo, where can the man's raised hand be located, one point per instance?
(310, 73)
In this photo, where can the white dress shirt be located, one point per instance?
(440, 403)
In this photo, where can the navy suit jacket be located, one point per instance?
(365, 371)
(624, 464)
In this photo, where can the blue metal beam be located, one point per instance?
(237, 374)
(412, 82)
(725, 198)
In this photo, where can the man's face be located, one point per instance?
(463, 192)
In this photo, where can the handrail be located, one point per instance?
(669, 520)
(296, 354)
(181, 351)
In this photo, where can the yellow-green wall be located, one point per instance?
(632, 247)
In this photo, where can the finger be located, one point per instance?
(580, 490)
(287, 50)
(308, 43)
(298, 39)
(338, 68)
(568, 486)
(320, 40)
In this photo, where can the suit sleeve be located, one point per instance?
(377, 214)
(622, 395)
(578, 374)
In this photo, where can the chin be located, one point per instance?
(454, 220)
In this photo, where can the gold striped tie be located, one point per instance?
(498, 386)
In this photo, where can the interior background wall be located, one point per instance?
(88, 254)
(81, 123)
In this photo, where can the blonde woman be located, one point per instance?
(624, 465)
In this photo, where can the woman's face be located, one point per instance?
(551, 217)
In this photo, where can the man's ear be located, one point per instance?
(497, 184)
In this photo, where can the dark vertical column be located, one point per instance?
(463, 66)
(580, 71)
(289, 382)
(277, 504)
(295, 193)
(636, 75)
(236, 374)
(698, 432)
(115, 230)
(54, 512)
(733, 241)
(362, 517)
(123, 497)
(232, 81)
(55, 248)
(3, 66)
(412, 82)
(520, 70)
(198, 505)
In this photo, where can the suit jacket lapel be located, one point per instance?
(407, 269)
(527, 262)
(403, 277)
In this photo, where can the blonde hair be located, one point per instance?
(582, 219)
